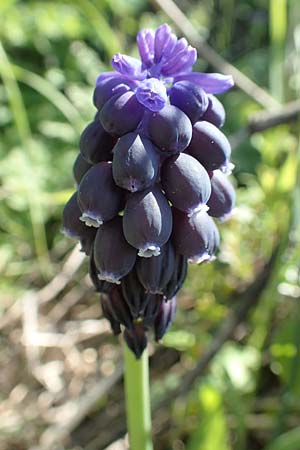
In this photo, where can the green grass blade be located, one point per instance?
(278, 29)
(24, 132)
(45, 88)
(286, 441)
(102, 29)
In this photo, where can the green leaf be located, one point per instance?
(212, 430)
(286, 441)
(181, 340)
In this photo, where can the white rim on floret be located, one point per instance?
(148, 251)
(90, 221)
(198, 259)
(227, 215)
(227, 168)
(108, 276)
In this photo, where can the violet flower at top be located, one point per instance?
(165, 60)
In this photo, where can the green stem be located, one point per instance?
(137, 394)
(278, 28)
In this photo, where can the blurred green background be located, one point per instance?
(249, 397)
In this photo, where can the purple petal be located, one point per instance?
(188, 60)
(169, 46)
(128, 66)
(145, 42)
(182, 63)
(152, 94)
(162, 36)
(175, 57)
(212, 83)
(181, 44)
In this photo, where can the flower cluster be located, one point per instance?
(151, 175)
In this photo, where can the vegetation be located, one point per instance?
(55, 346)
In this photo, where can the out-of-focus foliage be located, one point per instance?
(50, 55)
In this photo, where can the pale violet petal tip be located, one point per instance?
(145, 43)
(128, 66)
(212, 83)
(185, 61)
(162, 36)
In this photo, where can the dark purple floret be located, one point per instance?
(114, 257)
(96, 144)
(195, 237)
(121, 114)
(209, 146)
(107, 88)
(98, 197)
(135, 162)
(74, 227)
(178, 277)
(170, 129)
(135, 295)
(147, 221)
(222, 199)
(215, 112)
(155, 273)
(108, 314)
(118, 307)
(152, 309)
(87, 240)
(164, 318)
(80, 168)
(102, 286)
(186, 183)
(191, 99)
(136, 339)
(152, 93)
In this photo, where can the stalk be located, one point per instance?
(278, 30)
(137, 395)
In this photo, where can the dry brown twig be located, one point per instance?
(78, 409)
(264, 119)
(48, 292)
(60, 309)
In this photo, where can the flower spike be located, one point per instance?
(152, 178)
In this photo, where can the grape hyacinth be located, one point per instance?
(151, 179)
